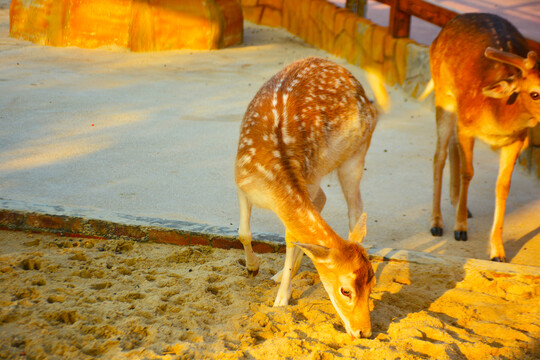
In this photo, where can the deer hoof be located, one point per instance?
(499, 259)
(460, 235)
(253, 273)
(436, 231)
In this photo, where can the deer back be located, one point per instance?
(302, 124)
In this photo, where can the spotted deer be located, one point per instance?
(487, 86)
(309, 119)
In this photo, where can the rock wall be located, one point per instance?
(345, 34)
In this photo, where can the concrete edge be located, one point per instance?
(184, 233)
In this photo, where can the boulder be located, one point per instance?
(139, 25)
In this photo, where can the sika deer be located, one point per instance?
(309, 119)
(487, 87)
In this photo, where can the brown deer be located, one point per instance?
(487, 86)
(309, 119)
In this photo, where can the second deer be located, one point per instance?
(309, 119)
(487, 86)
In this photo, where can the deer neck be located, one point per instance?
(306, 224)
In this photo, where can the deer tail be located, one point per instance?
(429, 88)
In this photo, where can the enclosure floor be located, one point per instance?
(109, 134)
(82, 299)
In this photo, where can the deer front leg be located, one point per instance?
(291, 258)
(507, 161)
(319, 199)
(244, 234)
(445, 129)
(466, 145)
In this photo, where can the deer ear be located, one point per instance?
(501, 89)
(317, 253)
(360, 229)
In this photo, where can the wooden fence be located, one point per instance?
(401, 12)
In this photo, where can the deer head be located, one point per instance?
(523, 87)
(347, 276)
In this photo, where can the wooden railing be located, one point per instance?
(402, 10)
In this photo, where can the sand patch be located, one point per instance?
(81, 298)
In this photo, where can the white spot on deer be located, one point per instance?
(285, 136)
(266, 172)
(294, 163)
(284, 113)
(276, 154)
(244, 182)
(287, 139)
(274, 139)
(246, 158)
(288, 189)
(276, 117)
(310, 216)
(292, 85)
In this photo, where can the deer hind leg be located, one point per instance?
(466, 144)
(507, 161)
(453, 156)
(244, 234)
(445, 128)
(350, 175)
(319, 199)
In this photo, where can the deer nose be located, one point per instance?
(361, 334)
(366, 333)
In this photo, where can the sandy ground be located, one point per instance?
(115, 135)
(85, 298)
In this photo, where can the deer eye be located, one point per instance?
(535, 95)
(346, 292)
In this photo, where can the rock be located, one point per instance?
(132, 24)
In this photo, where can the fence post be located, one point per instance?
(357, 6)
(400, 21)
